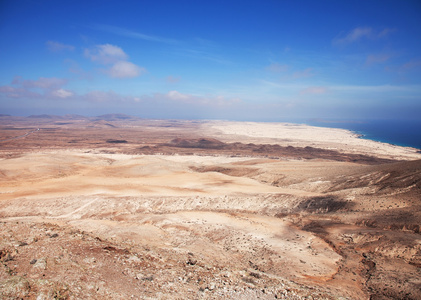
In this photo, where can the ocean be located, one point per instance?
(397, 132)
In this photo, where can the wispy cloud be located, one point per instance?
(172, 79)
(44, 89)
(106, 97)
(35, 89)
(414, 64)
(360, 33)
(205, 55)
(385, 32)
(58, 47)
(76, 69)
(12, 92)
(303, 74)
(159, 100)
(314, 90)
(377, 58)
(42, 82)
(132, 34)
(386, 88)
(199, 100)
(354, 35)
(115, 56)
(277, 68)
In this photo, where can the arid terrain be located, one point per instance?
(117, 207)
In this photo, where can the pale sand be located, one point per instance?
(161, 201)
(70, 173)
(245, 221)
(301, 135)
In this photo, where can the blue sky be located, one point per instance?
(240, 60)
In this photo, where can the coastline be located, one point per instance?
(302, 135)
(395, 132)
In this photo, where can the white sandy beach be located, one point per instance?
(301, 135)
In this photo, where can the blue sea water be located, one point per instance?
(397, 132)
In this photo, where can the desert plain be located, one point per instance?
(117, 207)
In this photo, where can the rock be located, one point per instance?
(191, 261)
(41, 264)
(15, 287)
(148, 278)
(41, 297)
(7, 257)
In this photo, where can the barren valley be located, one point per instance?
(117, 207)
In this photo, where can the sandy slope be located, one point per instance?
(162, 201)
(72, 173)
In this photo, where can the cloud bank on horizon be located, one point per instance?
(240, 60)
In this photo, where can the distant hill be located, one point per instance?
(115, 117)
(74, 117)
(44, 116)
(204, 143)
(100, 124)
(105, 117)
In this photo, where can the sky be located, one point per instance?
(234, 60)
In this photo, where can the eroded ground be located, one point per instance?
(143, 209)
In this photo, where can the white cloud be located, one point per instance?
(57, 47)
(125, 69)
(106, 54)
(61, 93)
(32, 89)
(174, 95)
(7, 89)
(113, 55)
(17, 92)
(47, 89)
